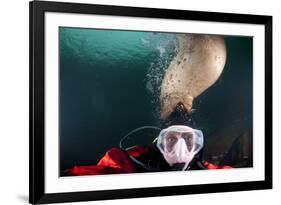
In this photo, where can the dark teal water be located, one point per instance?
(109, 85)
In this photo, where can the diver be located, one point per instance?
(178, 147)
(179, 144)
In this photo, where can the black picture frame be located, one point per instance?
(37, 11)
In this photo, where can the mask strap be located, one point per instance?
(134, 131)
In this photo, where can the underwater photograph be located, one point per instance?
(143, 101)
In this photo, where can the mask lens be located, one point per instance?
(171, 139)
(189, 140)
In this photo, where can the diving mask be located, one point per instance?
(179, 144)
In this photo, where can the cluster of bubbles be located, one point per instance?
(166, 46)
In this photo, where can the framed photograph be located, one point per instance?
(130, 102)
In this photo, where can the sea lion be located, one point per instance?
(197, 66)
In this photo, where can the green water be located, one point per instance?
(109, 85)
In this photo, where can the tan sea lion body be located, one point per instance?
(197, 66)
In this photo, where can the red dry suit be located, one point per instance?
(117, 161)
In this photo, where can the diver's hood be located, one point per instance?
(179, 116)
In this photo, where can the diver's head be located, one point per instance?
(181, 121)
(179, 144)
